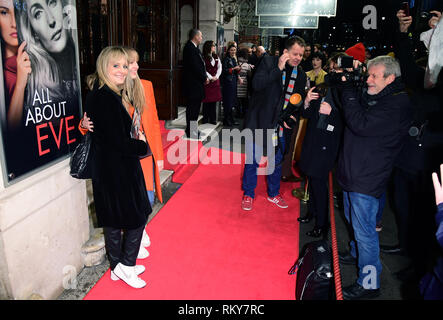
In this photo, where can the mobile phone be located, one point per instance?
(405, 8)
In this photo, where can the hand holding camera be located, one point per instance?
(325, 108)
(436, 15)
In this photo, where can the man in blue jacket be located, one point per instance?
(377, 123)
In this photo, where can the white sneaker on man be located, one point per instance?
(139, 269)
(127, 274)
(142, 253)
(146, 241)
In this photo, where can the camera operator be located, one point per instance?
(376, 125)
(420, 156)
(277, 79)
(320, 148)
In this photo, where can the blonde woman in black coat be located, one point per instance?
(119, 188)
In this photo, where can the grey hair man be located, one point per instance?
(376, 126)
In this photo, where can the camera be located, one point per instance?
(425, 16)
(422, 21)
(292, 109)
(357, 76)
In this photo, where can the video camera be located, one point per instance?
(357, 76)
(292, 109)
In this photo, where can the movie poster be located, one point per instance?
(40, 84)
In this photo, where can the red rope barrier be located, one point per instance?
(336, 263)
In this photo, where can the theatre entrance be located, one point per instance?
(156, 28)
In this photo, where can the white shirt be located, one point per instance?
(219, 69)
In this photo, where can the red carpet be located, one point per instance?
(204, 246)
(181, 155)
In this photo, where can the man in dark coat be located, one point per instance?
(194, 80)
(421, 155)
(306, 63)
(275, 80)
(377, 125)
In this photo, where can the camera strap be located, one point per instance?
(291, 85)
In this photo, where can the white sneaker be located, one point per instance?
(142, 253)
(127, 274)
(139, 269)
(146, 241)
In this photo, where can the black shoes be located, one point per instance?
(306, 219)
(356, 292)
(316, 232)
(347, 258)
(391, 249)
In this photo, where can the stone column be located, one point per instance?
(209, 14)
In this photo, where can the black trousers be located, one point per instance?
(192, 112)
(414, 207)
(209, 112)
(122, 249)
(318, 201)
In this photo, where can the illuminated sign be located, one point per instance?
(322, 8)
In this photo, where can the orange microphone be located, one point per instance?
(292, 109)
(296, 99)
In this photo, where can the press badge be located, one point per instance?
(330, 128)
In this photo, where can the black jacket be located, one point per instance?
(227, 73)
(194, 72)
(375, 131)
(119, 188)
(423, 153)
(266, 102)
(321, 145)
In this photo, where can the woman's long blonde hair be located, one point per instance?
(105, 57)
(135, 91)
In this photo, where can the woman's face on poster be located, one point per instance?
(46, 18)
(8, 27)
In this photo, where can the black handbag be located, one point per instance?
(314, 272)
(80, 163)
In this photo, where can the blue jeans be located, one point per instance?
(151, 193)
(250, 172)
(361, 212)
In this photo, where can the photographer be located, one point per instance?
(275, 81)
(376, 125)
(420, 156)
(320, 149)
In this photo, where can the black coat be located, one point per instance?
(420, 154)
(320, 146)
(266, 102)
(120, 195)
(227, 73)
(194, 72)
(375, 131)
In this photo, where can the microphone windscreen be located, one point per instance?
(295, 99)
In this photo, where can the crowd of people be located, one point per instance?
(376, 126)
(373, 123)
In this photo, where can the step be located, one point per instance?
(208, 132)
